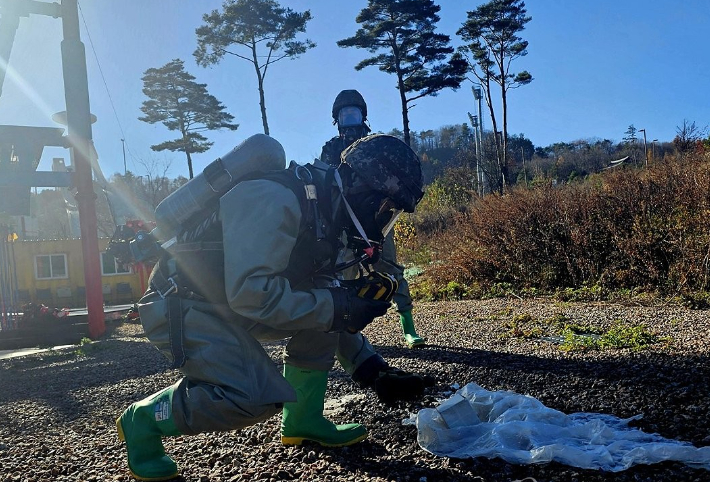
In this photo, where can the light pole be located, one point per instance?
(477, 95)
(645, 151)
(653, 150)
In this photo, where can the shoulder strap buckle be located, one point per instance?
(172, 288)
(164, 286)
(311, 193)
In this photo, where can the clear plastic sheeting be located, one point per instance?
(519, 429)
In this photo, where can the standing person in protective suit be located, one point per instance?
(262, 266)
(350, 115)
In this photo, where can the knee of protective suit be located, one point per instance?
(312, 350)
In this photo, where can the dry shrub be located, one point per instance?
(443, 198)
(626, 228)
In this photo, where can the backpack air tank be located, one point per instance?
(201, 193)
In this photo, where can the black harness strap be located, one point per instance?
(176, 330)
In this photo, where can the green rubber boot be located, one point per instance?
(141, 426)
(303, 420)
(410, 333)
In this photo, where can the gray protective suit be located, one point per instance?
(229, 380)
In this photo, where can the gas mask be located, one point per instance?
(351, 124)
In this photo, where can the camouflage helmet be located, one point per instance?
(349, 97)
(387, 165)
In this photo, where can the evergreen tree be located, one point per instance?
(492, 35)
(630, 135)
(261, 30)
(630, 141)
(402, 35)
(183, 105)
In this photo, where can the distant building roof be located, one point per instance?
(617, 162)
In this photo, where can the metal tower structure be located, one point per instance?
(79, 138)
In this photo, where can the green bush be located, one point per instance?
(620, 335)
(572, 336)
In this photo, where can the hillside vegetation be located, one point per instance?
(624, 229)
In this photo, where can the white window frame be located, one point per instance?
(115, 265)
(51, 274)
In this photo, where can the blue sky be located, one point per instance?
(597, 66)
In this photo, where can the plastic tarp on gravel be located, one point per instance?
(519, 429)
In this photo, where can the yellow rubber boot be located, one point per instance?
(303, 420)
(142, 426)
(410, 333)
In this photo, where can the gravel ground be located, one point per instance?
(57, 409)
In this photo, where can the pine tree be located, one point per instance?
(261, 32)
(183, 105)
(492, 35)
(630, 135)
(402, 35)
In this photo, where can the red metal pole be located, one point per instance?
(142, 270)
(76, 93)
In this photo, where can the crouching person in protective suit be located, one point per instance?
(261, 267)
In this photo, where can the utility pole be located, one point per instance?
(645, 150)
(123, 145)
(76, 94)
(9, 21)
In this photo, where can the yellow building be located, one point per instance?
(51, 272)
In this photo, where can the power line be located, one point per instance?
(103, 78)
